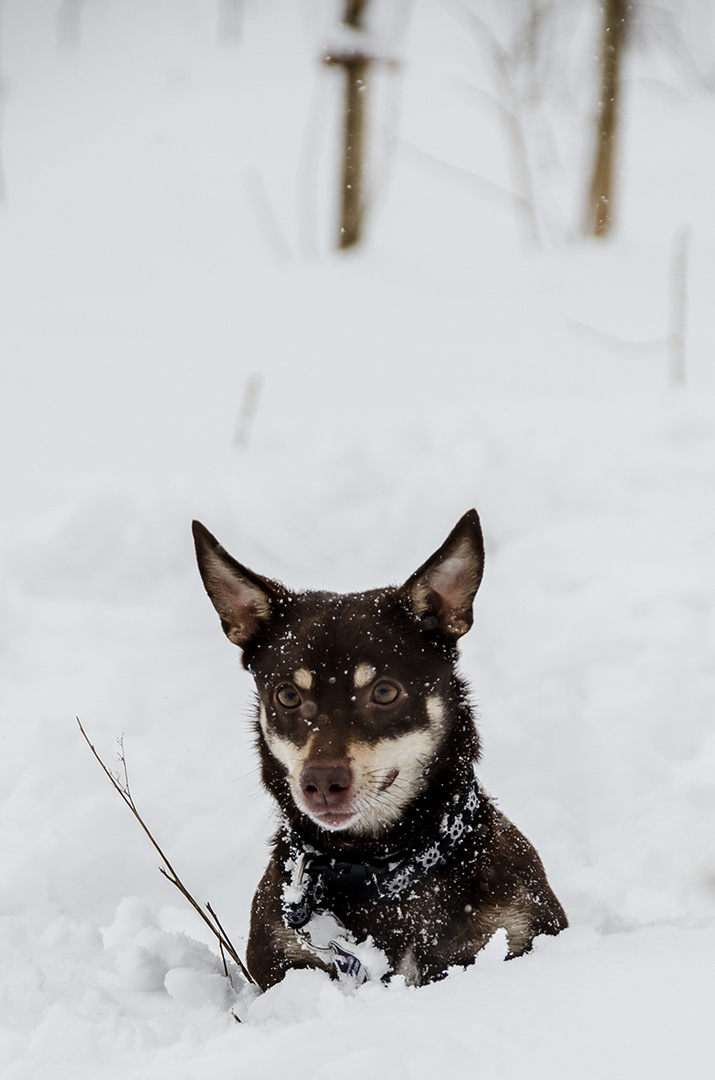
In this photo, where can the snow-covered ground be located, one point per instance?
(166, 239)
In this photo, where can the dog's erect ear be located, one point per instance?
(442, 591)
(244, 601)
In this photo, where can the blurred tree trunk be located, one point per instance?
(355, 63)
(69, 24)
(599, 218)
(230, 20)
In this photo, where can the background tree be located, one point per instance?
(69, 23)
(599, 212)
(355, 60)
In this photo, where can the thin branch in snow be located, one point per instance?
(266, 216)
(612, 339)
(248, 411)
(120, 783)
(678, 304)
(465, 176)
(510, 110)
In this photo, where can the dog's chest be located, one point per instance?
(435, 923)
(427, 921)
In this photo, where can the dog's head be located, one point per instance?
(356, 692)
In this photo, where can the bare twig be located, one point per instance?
(223, 959)
(613, 340)
(315, 128)
(384, 154)
(3, 95)
(674, 341)
(266, 216)
(678, 301)
(510, 110)
(248, 411)
(464, 176)
(120, 783)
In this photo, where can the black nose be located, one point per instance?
(326, 785)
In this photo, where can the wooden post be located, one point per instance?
(600, 198)
(69, 24)
(356, 64)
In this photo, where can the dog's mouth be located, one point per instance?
(364, 790)
(334, 820)
(349, 812)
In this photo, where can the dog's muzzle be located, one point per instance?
(327, 791)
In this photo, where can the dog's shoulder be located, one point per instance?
(512, 889)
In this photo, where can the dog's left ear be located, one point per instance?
(245, 601)
(442, 591)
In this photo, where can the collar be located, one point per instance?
(315, 876)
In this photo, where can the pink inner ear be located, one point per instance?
(454, 579)
(236, 598)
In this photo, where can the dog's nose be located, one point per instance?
(326, 785)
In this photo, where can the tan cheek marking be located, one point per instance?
(263, 720)
(364, 674)
(407, 755)
(283, 750)
(407, 752)
(436, 711)
(303, 678)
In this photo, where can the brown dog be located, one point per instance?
(391, 858)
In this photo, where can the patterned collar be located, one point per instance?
(315, 876)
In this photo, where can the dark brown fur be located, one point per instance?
(407, 637)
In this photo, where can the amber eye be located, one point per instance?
(384, 693)
(288, 696)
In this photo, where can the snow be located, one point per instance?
(165, 240)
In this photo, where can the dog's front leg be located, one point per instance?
(273, 948)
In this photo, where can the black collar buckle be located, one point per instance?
(355, 879)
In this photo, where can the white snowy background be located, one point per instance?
(166, 238)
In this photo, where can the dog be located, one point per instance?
(391, 859)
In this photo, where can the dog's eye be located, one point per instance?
(384, 693)
(288, 696)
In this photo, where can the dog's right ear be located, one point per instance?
(244, 601)
(442, 591)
